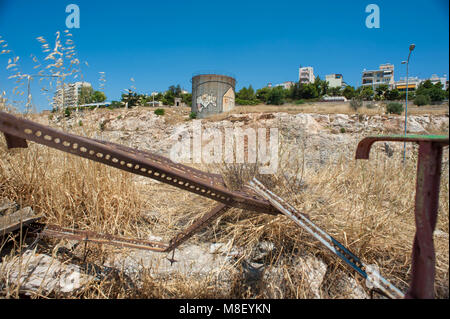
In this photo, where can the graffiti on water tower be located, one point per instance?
(204, 100)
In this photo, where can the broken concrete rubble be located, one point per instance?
(42, 274)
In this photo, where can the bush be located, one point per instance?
(422, 100)
(299, 102)
(276, 96)
(159, 112)
(193, 115)
(356, 103)
(80, 123)
(342, 130)
(394, 108)
(67, 113)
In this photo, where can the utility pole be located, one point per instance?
(411, 48)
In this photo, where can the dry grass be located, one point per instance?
(367, 205)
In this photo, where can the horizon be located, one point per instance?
(152, 45)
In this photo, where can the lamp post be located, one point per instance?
(411, 48)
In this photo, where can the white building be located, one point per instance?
(335, 80)
(413, 83)
(69, 96)
(435, 79)
(334, 98)
(384, 75)
(306, 74)
(286, 85)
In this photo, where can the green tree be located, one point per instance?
(394, 108)
(246, 93)
(422, 100)
(335, 91)
(437, 94)
(366, 93)
(98, 97)
(434, 91)
(392, 95)
(349, 92)
(263, 94)
(321, 86)
(131, 98)
(276, 96)
(187, 99)
(85, 96)
(381, 91)
(308, 91)
(175, 91)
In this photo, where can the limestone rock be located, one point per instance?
(42, 273)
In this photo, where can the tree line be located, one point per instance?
(426, 93)
(298, 93)
(132, 98)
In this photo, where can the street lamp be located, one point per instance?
(411, 48)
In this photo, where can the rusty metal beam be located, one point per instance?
(133, 161)
(426, 206)
(364, 146)
(180, 238)
(55, 231)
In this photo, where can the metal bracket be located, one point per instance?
(426, 205)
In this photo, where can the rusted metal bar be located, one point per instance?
(426, 206)
(197, 226)
(55, 231)
(366, 271)
(15, 142)
(133, 161)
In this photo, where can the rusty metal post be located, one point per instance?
(427, 204)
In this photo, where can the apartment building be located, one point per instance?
(286, 85)
(384, 75)
(306, 74)
(335, 80)
(413, 83)
(69, 96)
(436, 79)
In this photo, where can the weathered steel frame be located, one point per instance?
(426, 206)
(17, 131)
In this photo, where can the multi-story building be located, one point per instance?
(436, 79)
(413, 84)
(306, 74)
(69, 96)
(335, 80)
(286, 85)
(375, 78)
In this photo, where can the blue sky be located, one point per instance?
(160, 43)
